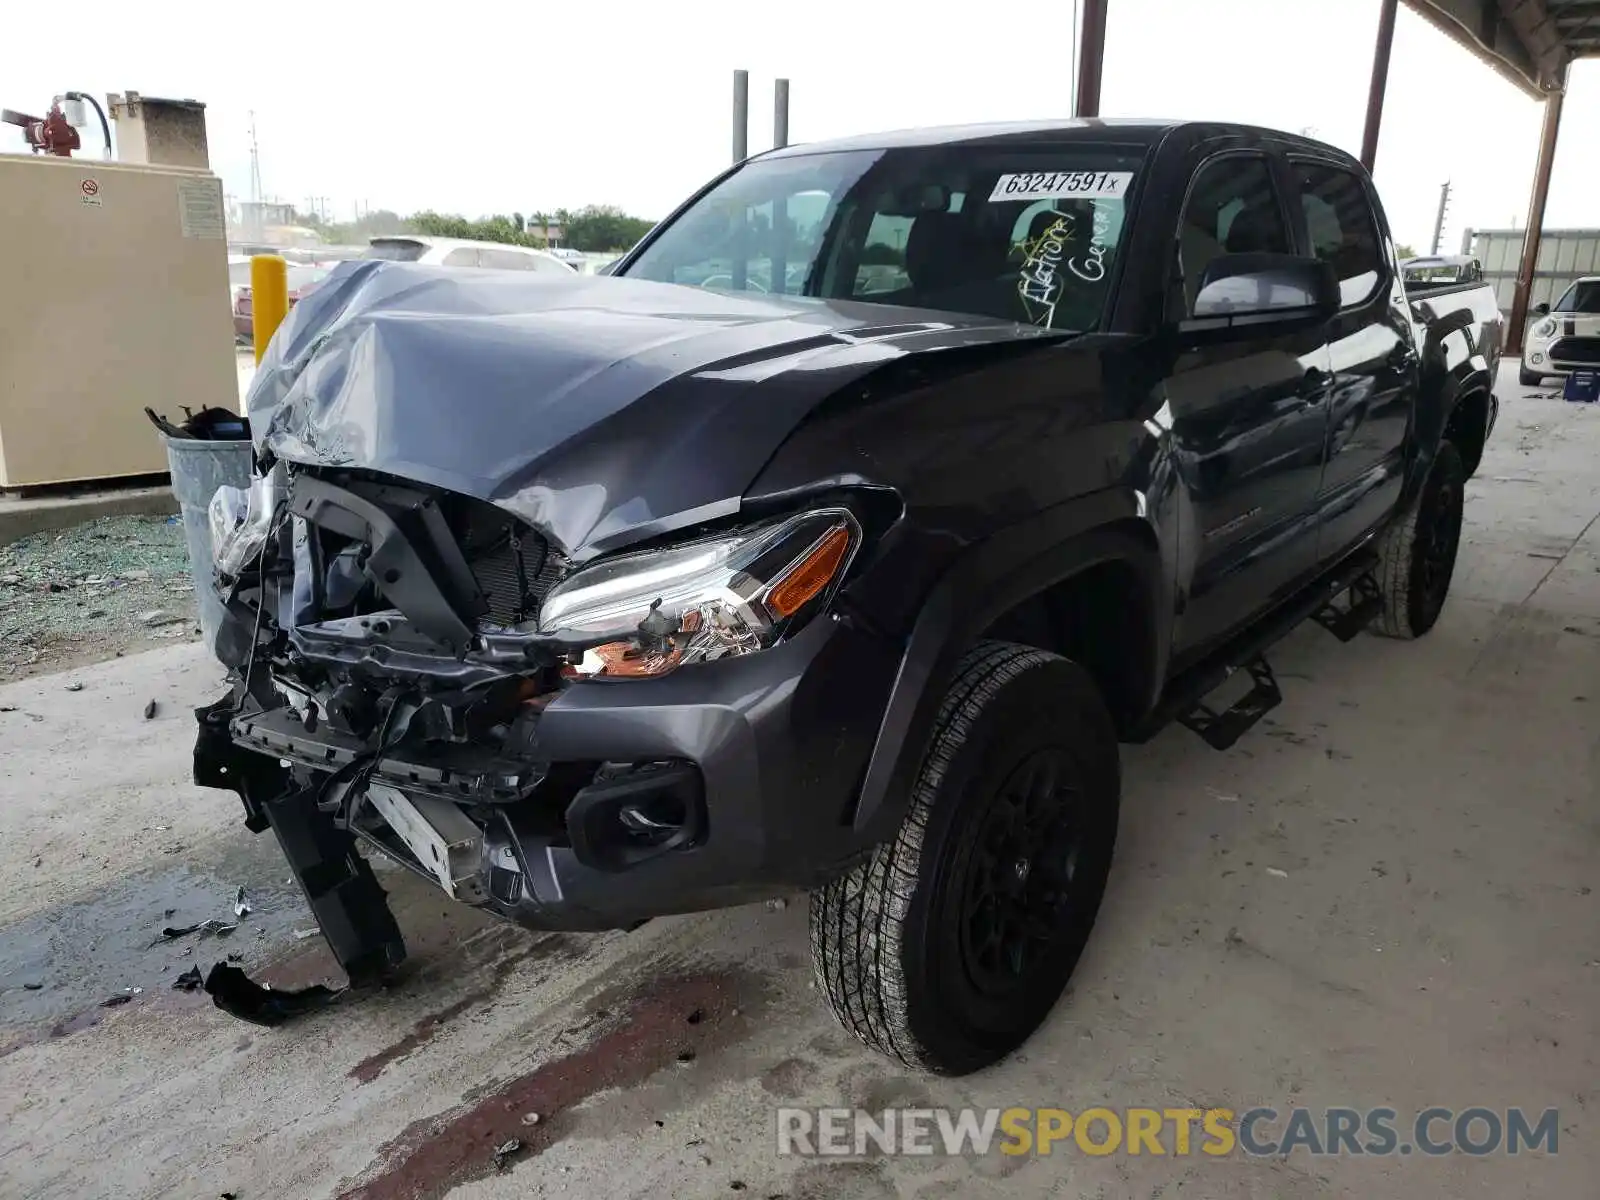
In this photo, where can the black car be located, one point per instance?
(595, 599)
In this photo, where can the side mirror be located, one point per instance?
(1541, 310)
(1238, 289)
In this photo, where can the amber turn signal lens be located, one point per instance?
(810, 576)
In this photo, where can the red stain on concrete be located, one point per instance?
(500, 969)
(652, 1032)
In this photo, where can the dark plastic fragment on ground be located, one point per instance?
(237, 994)
(188, 981)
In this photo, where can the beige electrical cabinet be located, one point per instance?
(113, 296)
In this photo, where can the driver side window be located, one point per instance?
(1232, 209)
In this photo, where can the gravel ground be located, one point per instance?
(93, 592)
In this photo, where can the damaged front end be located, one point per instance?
(394, 649)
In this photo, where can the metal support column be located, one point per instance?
(1530, 238)
(741, 116)
(1380, 82)
(780, 113)
(1091, 58)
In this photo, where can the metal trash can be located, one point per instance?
(199, 467)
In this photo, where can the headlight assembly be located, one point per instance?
(1545, 328)
(650, 613)
(240, 520)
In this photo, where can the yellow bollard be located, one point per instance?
(269, 298)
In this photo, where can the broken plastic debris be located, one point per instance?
(1225, 797)
(241, 905)
(188, 981)
(211, 926)
(74, 687)
(303, 934)
(504, 1151)
(237, 994)
(1276, 873)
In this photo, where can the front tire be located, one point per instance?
(948, 947)
(1417, 554)
(1529, 378)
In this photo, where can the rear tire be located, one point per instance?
(948, 947)
(1417, 554)
(1529, 378)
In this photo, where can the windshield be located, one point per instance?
(395, 249)
(1025, 233)
(1583, 297)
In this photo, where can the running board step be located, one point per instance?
(1364, 605)
(1222, 729)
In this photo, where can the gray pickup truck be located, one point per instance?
(834, 541)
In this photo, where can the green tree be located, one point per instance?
(1403, 251)
(600, 227)
(381, 222)
(498, 228)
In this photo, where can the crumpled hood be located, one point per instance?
(598, 409)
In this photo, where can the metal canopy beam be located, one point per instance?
(1483, 28)
(1091, 59)
(1380, 82)
(1530, 239)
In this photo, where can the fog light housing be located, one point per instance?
(1536, 358)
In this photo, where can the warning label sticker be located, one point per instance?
(200, 208)
(90, 191)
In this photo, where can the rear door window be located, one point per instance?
(1342, 228)
(505, 260)
(462, 256)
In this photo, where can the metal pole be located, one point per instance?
(1530, 236)
(1091, 59)
(1438, 222)
(1380, 81)
(741, 116)
(780, 113)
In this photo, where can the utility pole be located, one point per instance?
(1438, 224)
(741, 116)
(252, 223)
(255, 162)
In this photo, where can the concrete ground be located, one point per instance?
(1384, 897)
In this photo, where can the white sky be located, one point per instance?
(509, 111)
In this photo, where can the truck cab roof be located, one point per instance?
(1125, 130)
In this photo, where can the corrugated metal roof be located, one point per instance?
(1530, 42)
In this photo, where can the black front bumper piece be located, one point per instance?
(719, 784)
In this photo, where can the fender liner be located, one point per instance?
(989, 580)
